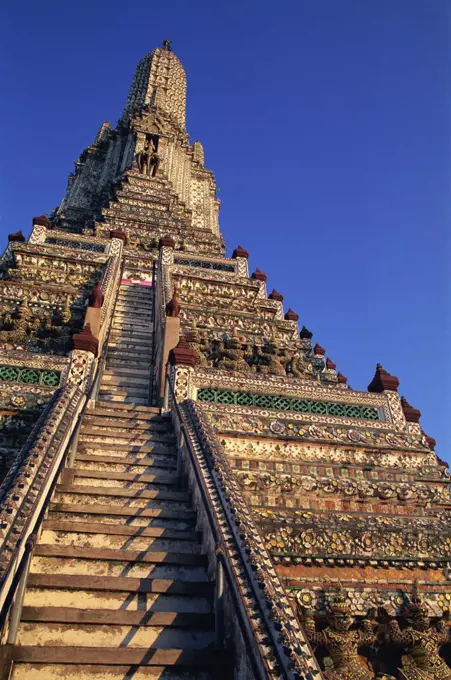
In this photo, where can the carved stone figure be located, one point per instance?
(198, 342)
(148, 161)
(421, 641)
(340, 641)
(233, 355)
(21, 325)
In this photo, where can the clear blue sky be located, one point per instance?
(327, 124)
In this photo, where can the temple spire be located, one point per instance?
(159, 82)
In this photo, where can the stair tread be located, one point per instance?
(122, 510)
(117, 657)
(122, 584)
(126, 476)
(109, 421)
(118, 530)
(102, 412)
(118, 491)
(118, 617)
(140, 409)
(138, 436)
(127, 460)
(150, 556)
(131, 447)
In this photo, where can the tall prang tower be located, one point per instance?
(190, 487)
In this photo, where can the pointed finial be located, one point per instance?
(383, 381)
(167, 45)
(258, 275)
(318, 350)
(305, 334)
(411, 414)
(17, 237)
(173, 306)
(275, 295)
(240, 252)
(183, 354)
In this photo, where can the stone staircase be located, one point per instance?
(127, 375)
(118, 586)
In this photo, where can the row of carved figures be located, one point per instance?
(22, 326)
(234, 355)
(418, 640)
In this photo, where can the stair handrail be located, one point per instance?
(269, 616)
(104, 338)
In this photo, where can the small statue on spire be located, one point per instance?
(167, 45)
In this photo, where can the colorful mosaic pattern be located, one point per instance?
(284, 403)
(30, 376)
(204, 264)
(93, 247)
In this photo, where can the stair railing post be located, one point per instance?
(166, 389)
(16, 609)
(181, 444)
(74, 445)
(96, 386)
(219, 600)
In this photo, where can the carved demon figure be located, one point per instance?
(341, 642)
(421, 641)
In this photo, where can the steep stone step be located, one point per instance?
(132, 320)
(155, 423)
(139, 291)
(66, 615)
(136, 335)
(127, 413)
(101, 541)
(141, 297)
(139, 288)
(133, 312)
(119, 450)
(143, 636)
(131, 517)
(133, 330)
(139, 498)
(136, 485)
(129, 465)
(101, 436)
(85, 592)
(138, 375)
(128, 408)
(123, 398)
(132, 315)
(121, 563)
(124, 418)
(67, 552)
(127, 355)
(126, 584)
(123, 530)
(123, 656)
(126, 344)
(113, 364)
(59, 671)
(142, 301)
(99, 476)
